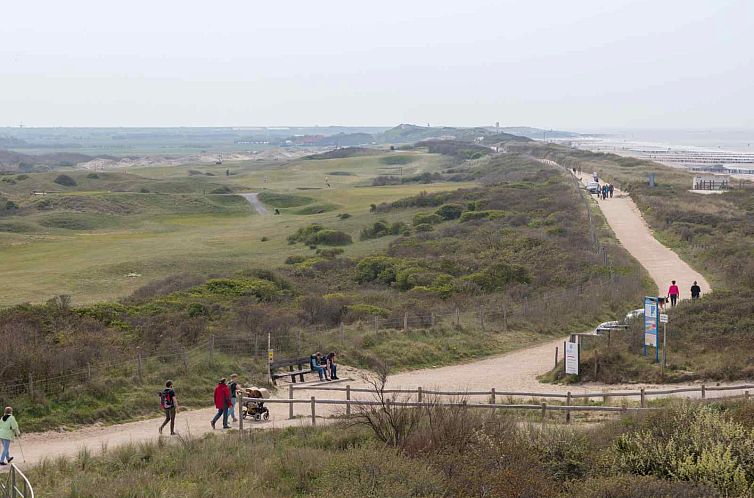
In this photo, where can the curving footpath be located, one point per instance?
(515, 371)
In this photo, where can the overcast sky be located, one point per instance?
(580, 64)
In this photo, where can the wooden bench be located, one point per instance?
(303, 367)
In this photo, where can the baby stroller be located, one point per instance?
(254, 406)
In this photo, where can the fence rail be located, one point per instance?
(15, 484)
(493, 394)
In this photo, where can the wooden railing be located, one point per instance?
(492, 395)
(15, 484)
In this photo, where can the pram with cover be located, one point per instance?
(253, 406)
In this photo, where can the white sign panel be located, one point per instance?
(571, 358)
(663, 318)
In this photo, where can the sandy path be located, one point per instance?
(253, 199)
(636, 237)
(515, 371)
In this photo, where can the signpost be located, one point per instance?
(664, 322)
(571, 350)
(651, 321)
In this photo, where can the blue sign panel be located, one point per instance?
(651, 323)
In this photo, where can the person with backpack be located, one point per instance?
(169, 405)
(673, 293)
(314, 363)
(233, 390)
(222, 403)
(8, 431)
(611, 189)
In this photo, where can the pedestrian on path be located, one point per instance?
(611, 190)
(673, 293)
(169, 405)
(696, 291)
(233, 390)
(222, 403)
(8, 431)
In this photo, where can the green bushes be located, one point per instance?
(498, 276)
(449, 211)
(65, 181)
(376, 268)
(426, 219)
(382, 228)
(315, 234)
(482, 215)
(264, 290)
(284, 200)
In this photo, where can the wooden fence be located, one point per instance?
(420, 399)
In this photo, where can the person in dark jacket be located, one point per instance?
(222, 403)
(169, 405)
(314, 362)
(696, 291)
(332, 365)
(233, 390)
(611, 188)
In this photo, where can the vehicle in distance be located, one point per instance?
(631, 315)
(593, 187)
(608, 326)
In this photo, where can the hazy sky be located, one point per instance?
(579, 64)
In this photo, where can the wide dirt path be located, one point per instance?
(253, 199)
(515, 371)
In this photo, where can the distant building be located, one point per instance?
(711, 182)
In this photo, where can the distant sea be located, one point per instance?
(731, 140)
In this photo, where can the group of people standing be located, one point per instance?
(606, 191)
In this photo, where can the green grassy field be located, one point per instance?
(83, 240)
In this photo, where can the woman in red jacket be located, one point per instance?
(222, 403)
(673, 293)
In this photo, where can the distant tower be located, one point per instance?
(497, 125)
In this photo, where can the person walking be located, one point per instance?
(169, 405)
(673, 293)
(222, 403)
(233, 389)
(611, 188)
(8, 431)
(696, 291)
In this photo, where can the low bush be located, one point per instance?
(65, 181)
(426, 219)
(481, 215)
(449, 211)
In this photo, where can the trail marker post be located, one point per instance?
(664, 321)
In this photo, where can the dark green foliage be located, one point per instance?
(426, 218)
(65, 181)
(450, 211)
(221, 190)
(398, 159)
(292, 260)
(315, 234)
(344, 216)
(382, 228)
(10, 206)
(481, 215)
(284, 200)
(423, 227)
(93, 176)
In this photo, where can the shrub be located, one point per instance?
(449, 211)
(376, 268)
(264, 239)
(367, 309)
(344, 216)
(423, 227)
(93, 176)
(315, 234)
(330, 253)
(498, 275)
(221, 190)
(263, 290)
(382, 228)
(65, 181)
(481, 215)
(427, 218)
(292, 260)
(11, 206)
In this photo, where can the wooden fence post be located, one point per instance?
(605, 398)
(544, 413)
(481, 317)
(314, 411)
(556, 356)
(419, 394)
(746, 395)
(240, 412)
(342, 333)
(31, 385)
(493, 396)
(704, 392)
(290, 405)
(432, 318)
(458, 318)
(211, 348)
(568, 403)
(643, 399)
(138, 363)
(348, 398)
(405, 321)
(376, 323)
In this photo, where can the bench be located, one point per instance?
(303, 367)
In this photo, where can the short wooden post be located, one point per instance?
(290, 405)
(348, 398)
(240, 412)
(544, 413)
(432, 318)
(314, 411)
(596, 363)
(211, 348)
(481, 317)
(704, 392)
(458, 318)
(376, 323)
(419, 394)
(556, 356)
(605, 398)
(746, 395)
(342, 333)
(493, 396)
(138, 363)
(405, 321)
(568, 403)
(643, 403)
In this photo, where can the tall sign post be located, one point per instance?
(651, 322)
(664, 321)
